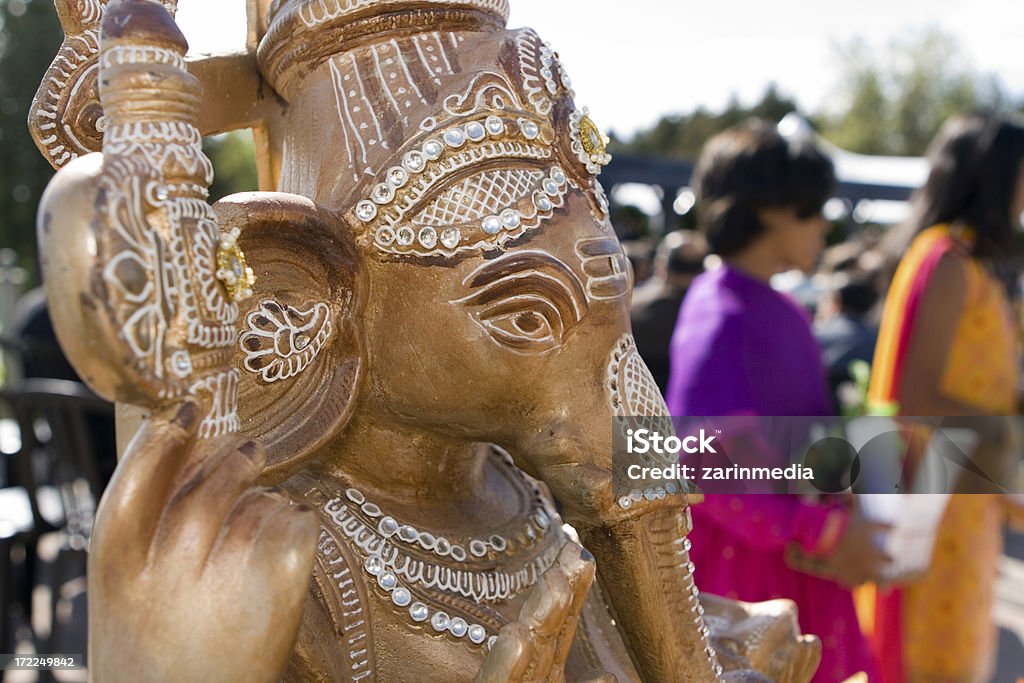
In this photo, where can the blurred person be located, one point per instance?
(800, 286)
(40, 356)
(631, 223)
(32, 335)
(641, 259)
(678, 259)
(855, 259)
(842, 257)
(843, 329)
(948, 346)
(742, 348)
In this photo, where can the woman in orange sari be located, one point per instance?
(948, 346)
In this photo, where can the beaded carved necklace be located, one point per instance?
(416, 570)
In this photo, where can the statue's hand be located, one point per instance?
(535, 647)
(194, 573)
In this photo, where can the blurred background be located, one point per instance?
(872, 80)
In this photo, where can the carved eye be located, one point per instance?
(524, 323)
(528, 323)
(526, 301)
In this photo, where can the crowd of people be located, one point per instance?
(916, 321)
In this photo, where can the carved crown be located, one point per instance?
(302, 34)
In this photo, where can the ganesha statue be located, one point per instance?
(417, 336)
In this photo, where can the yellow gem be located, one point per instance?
(233, 272)
(591, 138)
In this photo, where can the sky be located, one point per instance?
(634, 61)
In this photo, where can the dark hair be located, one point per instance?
(752, 167)
(857, 297)
(682, 252)
(975, 163)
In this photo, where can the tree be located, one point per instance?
(29, 37)
(234, 162)
(890, 102)
(684, 135)
(895, 100)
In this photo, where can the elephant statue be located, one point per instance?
(417, 336)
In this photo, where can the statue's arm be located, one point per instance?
(194, 572)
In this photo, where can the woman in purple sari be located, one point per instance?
(741, 348)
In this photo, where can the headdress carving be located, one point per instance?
(302, 34)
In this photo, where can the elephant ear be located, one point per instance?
(299, 351)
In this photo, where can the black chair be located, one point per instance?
(59, 432)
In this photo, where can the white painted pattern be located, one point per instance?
(540, 71)
(632, 390)
(281, 341)
(378, 84)
(432, 54)
(177, 264)
(91, 10)
(135, 54)
(528, 45)
(148, 297)
(418, 188)
(76, 62)
(489, 233)
(605, 266)
(223, 415)
(316, 12)
(488, 92)
(483, 194)
(159, 144)
(525, 285)
(355, 635)
(478, 586)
